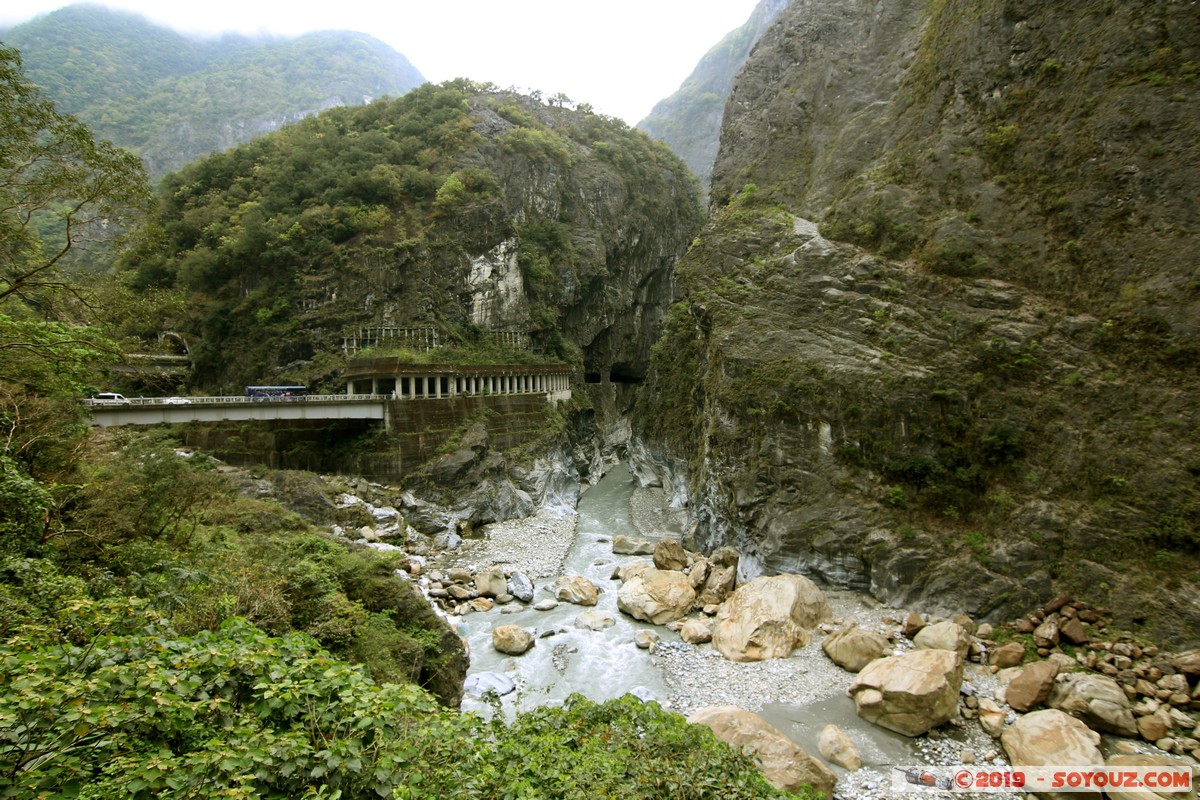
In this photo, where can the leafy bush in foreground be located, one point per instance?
(236, 713)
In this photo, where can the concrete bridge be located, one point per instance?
(378, 389)
(177, 410)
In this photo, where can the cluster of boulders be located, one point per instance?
(369, 516)
(1050, 710)
(1111, 683)
(1061, 681)
(460, 591)
(768, 617)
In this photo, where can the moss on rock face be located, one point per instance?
(975, 362)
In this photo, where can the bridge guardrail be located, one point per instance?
(236, 399)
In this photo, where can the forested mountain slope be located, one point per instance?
(689, 121)
(943, 324)
(456, 206)
(172, 99)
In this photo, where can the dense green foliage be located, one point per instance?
(60, 189)
(172, 99)
(235, 713)
(249, 232)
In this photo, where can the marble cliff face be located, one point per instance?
(940, 331)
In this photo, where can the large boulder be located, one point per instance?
(1051, 738)
(1009, 655)
(725, 557)
(1032, 686)
(626, 546)
(1096, 699)
(576, 589)
(1156, 725)
(520, 587)
(1046, 634)
(769, 617)
(852, 648)
(836, 748)
(491, 582)
(669, 555)
(943, 636)
(625, 571)
(911, 693)
(718, 585)
(784, 763)
(656, 596)
(1187, 662)
(991, 717)
(511, 640)
(695, 631)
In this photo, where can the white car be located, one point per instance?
(109, 399)
(175, 401)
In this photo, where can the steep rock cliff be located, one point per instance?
(941, 328)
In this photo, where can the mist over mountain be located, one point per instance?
(171, 98)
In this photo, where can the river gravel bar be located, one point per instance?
(536, 545)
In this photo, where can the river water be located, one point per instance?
(601, 665)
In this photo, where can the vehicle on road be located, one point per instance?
(175, 401)
(261, 393)
(109, 399)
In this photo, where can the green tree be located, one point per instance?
(60, 188)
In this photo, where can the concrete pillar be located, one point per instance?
(349, 387)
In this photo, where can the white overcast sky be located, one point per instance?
(622, 56)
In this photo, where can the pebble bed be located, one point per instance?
(510, 544)
(698, 676)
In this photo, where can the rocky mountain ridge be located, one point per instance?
(173, 99)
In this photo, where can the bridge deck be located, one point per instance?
(170, 411)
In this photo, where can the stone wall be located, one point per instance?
(421, 430)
